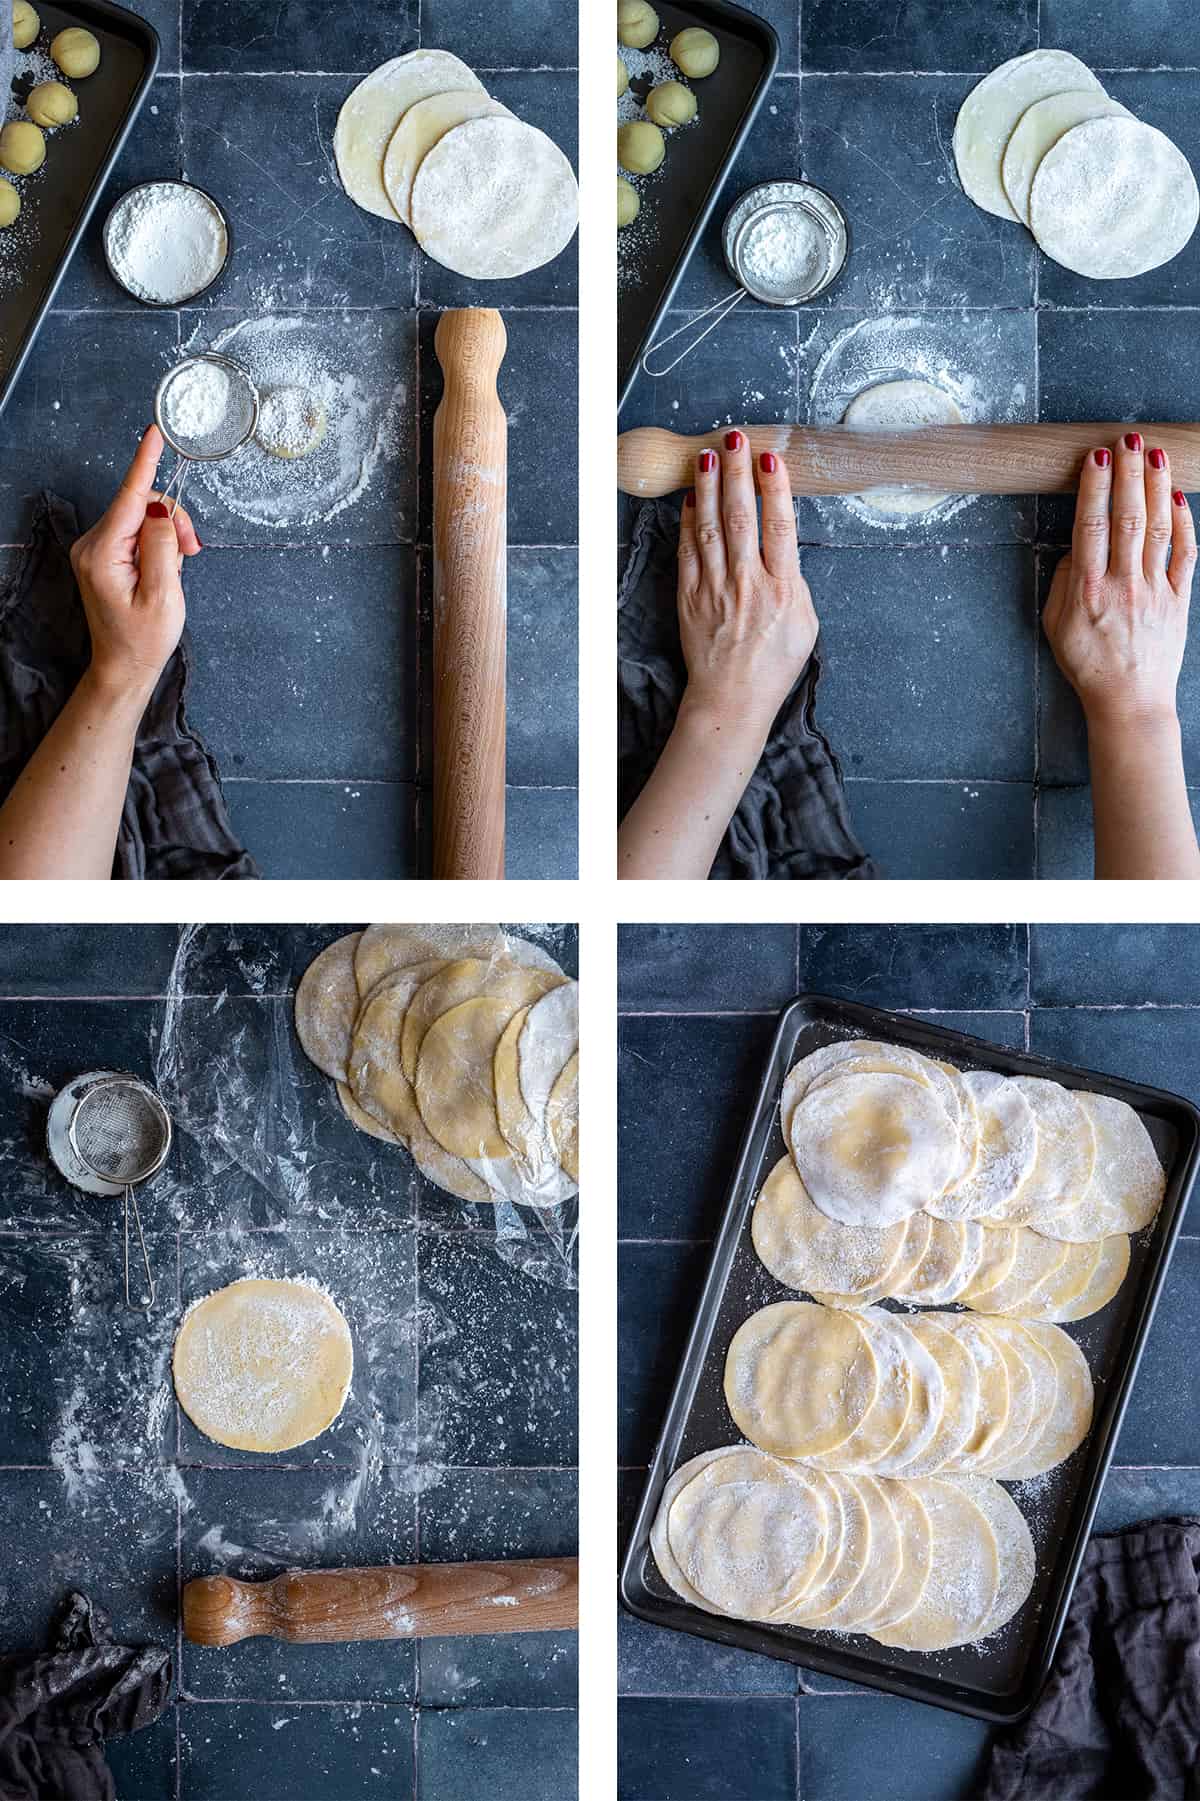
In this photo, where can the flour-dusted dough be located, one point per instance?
(1066, 1154)
(1015, 1557)
(464, 980)
(375, 1073)
(867, 1597)
(1039, 129)
(799, 1378)
(528, 1065)
(263, 1365)
(805, 1249)
(1007, 1133)
(421, 127)
(991, 110)
(1107, 1277)
(749, 1533)
(1113, 199)
(918, 1228)
(870, 1148)
(326, 1006)
(562, 1117)
(908, 405)
(362, 1120)
(384, 949)
(494, 199)
(960, 1398)
(1067, 1422)
(964, 1576)
(455, 1087)
(1128, 1181)
(1035, 1259)
(371, 113)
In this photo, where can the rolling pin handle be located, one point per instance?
(721, 308)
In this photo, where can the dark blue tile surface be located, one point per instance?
(328, 831)
(929, 1755)
(845, 35)
(706, 969)
(230, 36)
(1066, 844)
(144, 1763)
(1145, 37)
(543, 668)
(164, 16)
(486, 37)
(659, 1285)
(543, 834)
(1132, 1495)
(1160, 1425)
(505, 1754)
(680, 1750)
(746, 369)
(1135, 964)
(61, 960)
(917, 966)
(936, 831)
(287, 1753)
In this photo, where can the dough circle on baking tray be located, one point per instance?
(494, 199)
(1113, 198)
(799, 1378)
(870, 1148)
(990, 112)
(263, 1365)
(372, 111)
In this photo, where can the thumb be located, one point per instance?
(158, 552)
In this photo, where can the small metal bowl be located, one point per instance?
(169, 182)
(818, 219)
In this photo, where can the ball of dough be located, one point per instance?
(51, 104)
(670, 103)
(10, 202)
(694, 51)
(77, 52)
(640, 147)
(26, 24)
(622, 78)
(291, 423)
(22, 147)
(628, 203)
(637, 23)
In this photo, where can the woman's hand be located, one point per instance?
(746, 617)
(1117, 613)
(128, 569)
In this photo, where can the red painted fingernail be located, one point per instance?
(689, 499)
(1133, 440)
(767, 462)
(1157, 460)
(156, 510)
(1179, 498)
(1103, 458)
(733, 440)
(708, 461)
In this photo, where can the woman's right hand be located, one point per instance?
(128, 569)
(746, 618)
(1117, 614)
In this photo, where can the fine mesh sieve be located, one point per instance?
(206, 407)
(121, 1133)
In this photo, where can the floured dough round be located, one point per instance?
(1128, 1181)
(960, 1397)
(362, 1120)
(562, 1117)
(1107, 1277)
(1039, 129)
(1113, 199)
(799, 1378)
(1015, 1557)
(749, 1534)
(1066, 1154)
(421, 127)
(326, 1006)
(867, 1597)
(833, 1590)
(991, 1372)
(530, 1058)
(660, 1542)
(376, 1075)
(964, 1576)
(916, 1541)
(385, 949)
(918, 1228)
(907, 405)
(371, 113)
(493, 199)
(1067, 1423)
(870, 1148)
(991, 110)
(454, 1085)
(805, 1249)
(1043, 1380)
(263, 1365)
(1036, 1259)
(1007, 1136)
(884, 1421)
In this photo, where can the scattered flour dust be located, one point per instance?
(647, 69)
(17, 240)
(321, 355)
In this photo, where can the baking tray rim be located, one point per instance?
(755, 25)
(852, 1666)
(138, 29)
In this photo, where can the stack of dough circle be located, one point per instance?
(420, 142)
(1039, 141)
(461, 1044)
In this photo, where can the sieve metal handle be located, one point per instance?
(178, 476)
(131, 1206)
(721, 308)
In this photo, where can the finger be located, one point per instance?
(124, 517)
(1183, 546)
(739, 507)
(1128, 542)
(1158, 512)
(185, 531)
(710, 533)
(780, 551)
(158, 556)
(689, 550)
(1089, 540)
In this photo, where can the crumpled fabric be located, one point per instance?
(792, 823)
(1119, 1717)
(58, 1707)
(175, 825)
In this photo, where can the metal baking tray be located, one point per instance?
(79, 161)
(1000, 1680)
(680, 198)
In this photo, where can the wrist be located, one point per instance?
(126, 689)
(1117, 723)
(732, 722)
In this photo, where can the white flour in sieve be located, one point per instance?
(198, 401)
(165, 242)
(785, 251)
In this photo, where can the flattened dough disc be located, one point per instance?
(493, 199)
(562, 1117)
(454, 1085)
(1039, 129)
(964, 1578)
(263, 1365)
(1113, 199)
(422, 126)
(990, 111)
(869, 1148)
(326, 1005)
(385, 949)
(801, 1246)
(1007, 1148)
(749, 1534)
(906, 405)
(372, 111)
(799, 1378)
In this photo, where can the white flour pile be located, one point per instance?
(165, 242)
(198, 402)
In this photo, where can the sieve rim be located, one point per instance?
(167, 181)
(158, 1107)
(225, 362)
(777, 196)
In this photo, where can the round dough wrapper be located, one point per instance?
(1107, 1278)
(916, 1545)
(562, 1117)
(805, 1249)
(454, 1085)
(660, 1543)
(362, 1120)
(548, 1040)
(327, 1005)
(465, 980)
(1066, 1154)
(941, 1274)
(884, 1421)
(372, 111)
(870, 1594)
(960, 1398)
(870, 1148)
(376, 1074)
(867, 1054)
(263, 1365)
(1016, 1559)
(1007, 1148)
(494, 199)
(799, 1378)
(964, 1577)
(1043, 1375)
(907, 405)
(1039, 129)
(444, 1170)
(991, 1374)
(749, 1534)
(1068, 1423)
(927, 1392)
(990, 112)
(385, 949)
(997, 1255)
(421, 127)
(917, 1230)
(1021, 1395)
(1113, 199)
(1060, 1290)
(854, 1554)
(1036, 1260)
(1128, 1181)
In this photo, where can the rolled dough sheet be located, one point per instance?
(493, 199)
(326, 1005)
(907, 405)
(372, 111)
(422, 126)
(1039, 129)
(1113, 199)
(989, 113)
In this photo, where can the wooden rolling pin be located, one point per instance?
(949, 459)
(420, 1600)
(470, 569)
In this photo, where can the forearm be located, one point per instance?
(674, 829)
(62, 818)
(1143, 821)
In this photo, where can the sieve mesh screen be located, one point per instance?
(120, 1131)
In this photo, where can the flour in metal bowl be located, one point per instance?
(166, 242)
